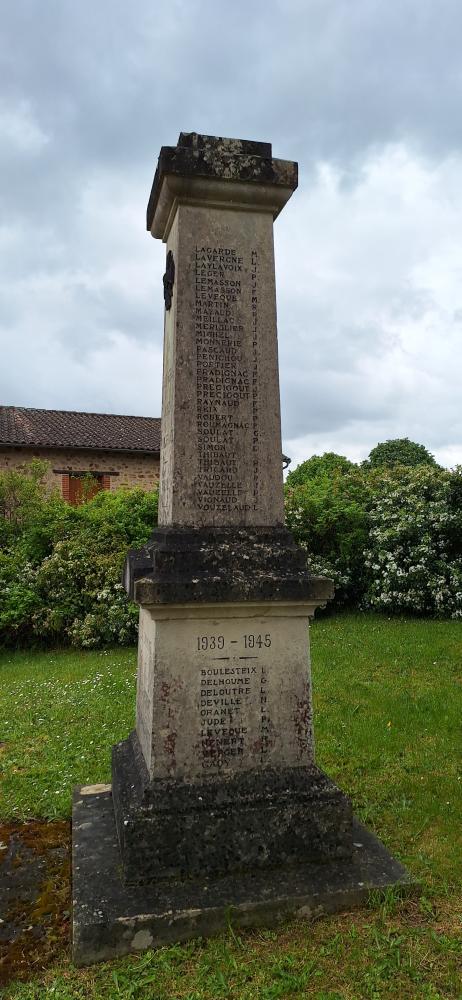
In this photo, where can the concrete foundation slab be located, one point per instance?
(111, 919)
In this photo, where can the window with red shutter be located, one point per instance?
(81, 486)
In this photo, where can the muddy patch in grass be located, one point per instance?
(35, 899)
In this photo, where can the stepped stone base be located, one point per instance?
(111, 918)
(241, 822)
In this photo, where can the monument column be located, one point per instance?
(225, 595)
(213, 204)
(217, 809)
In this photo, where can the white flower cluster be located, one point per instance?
(389, 538)
(415, 544)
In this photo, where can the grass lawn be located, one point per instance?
(388, 723)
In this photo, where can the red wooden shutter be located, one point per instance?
(75, 490)
(65, 487)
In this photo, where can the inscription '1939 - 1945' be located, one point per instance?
(226, 327)
(251, 641)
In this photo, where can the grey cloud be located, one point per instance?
(109, 83)
(96, 89)
(324, 398)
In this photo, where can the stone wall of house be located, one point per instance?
(123, 469)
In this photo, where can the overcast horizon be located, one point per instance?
(365, 96)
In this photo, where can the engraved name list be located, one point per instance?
(226, 335)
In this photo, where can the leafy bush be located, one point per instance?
(415, 542)
(328, 464)
(18, 596)
(128, 515)
(389, 536)
(60, 566)
(327, 515)
(399, 451)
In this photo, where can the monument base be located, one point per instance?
(267, 818)
(111, 918)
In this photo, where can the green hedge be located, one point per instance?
(390, 537)
(60, 566)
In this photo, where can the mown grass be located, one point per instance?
(388, 700)
(60, 714)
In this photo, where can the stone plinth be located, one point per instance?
(113, 918)
(220, 775)
(214, 565)
(223, 688)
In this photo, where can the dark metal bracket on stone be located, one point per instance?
(169, 280)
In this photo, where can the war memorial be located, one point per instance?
(217, 812)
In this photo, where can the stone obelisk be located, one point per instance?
(217, 805)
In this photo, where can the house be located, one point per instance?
(86, 452)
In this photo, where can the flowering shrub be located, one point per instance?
(82, 600)
(414, 551)
(390, 537)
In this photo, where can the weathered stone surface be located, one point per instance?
(260, 818)
(221, 453)
(223, 688)
(237, 161)
(111, 918)
(181, 565)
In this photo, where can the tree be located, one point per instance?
(399, 451)
(328, 464)
(327, 515)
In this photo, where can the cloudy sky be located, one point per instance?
(365, 94)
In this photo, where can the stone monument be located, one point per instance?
(217, 810)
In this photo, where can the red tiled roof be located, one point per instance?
(23, 427)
